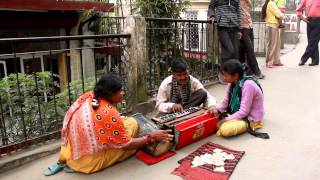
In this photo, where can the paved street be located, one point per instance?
(292, 120)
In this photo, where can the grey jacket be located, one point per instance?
(226, 13)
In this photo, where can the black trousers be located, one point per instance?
(313, 35)
(246, 52)
(229, 43)
(196, 99)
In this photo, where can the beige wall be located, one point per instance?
(199, 5)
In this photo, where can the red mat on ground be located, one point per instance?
(148, 159)
(205, 172)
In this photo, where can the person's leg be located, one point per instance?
(314, 39)
(276, 60)
(132, 129)
(196, 99)
(315, 55)
(242, 54)
(258, 72)
(308, 53)
(251, 58)
(102, 159)
(236, 127)
(232, 128)
(233, 34)
(227, 48)
(131, 126)
(251, 35)
(271, 47)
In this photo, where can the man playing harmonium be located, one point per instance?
(178, 101)
(181, 91)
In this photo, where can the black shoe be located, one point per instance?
(301, 63)
(313, 64)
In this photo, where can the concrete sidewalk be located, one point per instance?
(292, 120)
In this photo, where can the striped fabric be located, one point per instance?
(208, 148)
(183, 97)
(226, 12)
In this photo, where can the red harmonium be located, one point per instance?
(189, 126)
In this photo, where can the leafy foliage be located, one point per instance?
(69, 95)
(21, 101)
(31, 106)
(164, 36)
(160, 8)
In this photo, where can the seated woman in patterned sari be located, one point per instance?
(95, 136)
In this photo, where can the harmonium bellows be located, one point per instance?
(188, 126)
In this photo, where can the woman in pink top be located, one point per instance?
(243, 101)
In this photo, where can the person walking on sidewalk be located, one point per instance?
(271, 14)
(226, 13)
(312, 10)
(246, 41)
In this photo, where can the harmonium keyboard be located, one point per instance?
(188, 126)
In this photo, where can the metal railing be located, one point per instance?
(259, 38)
(259, 30)
(114, 24)
(41, 83)
(169, 38)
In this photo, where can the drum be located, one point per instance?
(146, 127)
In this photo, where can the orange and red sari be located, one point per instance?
(88, 131)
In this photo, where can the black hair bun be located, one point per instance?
(244, 67)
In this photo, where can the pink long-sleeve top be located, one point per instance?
(251, 104)
(311, 7)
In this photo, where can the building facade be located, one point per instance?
(38, 18)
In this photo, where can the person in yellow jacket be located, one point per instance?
(271, 14)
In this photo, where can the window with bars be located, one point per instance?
(192, 31)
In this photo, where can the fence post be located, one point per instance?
(210, 42)
(213, 43)
(136, 56)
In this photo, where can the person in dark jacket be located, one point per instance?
(226, 13)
